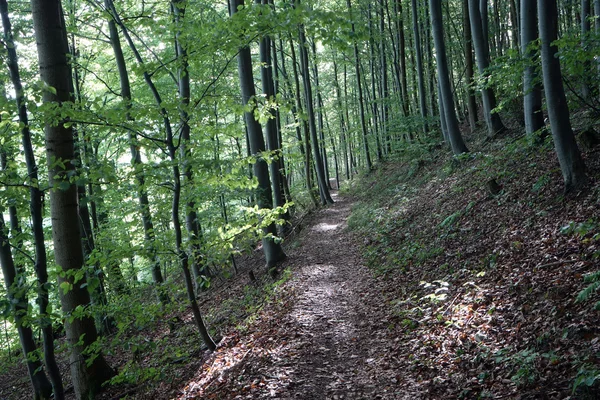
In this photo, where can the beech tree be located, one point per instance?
(569, 157)
(363, 122)
(36, 210)
(419, 64)
(447, 113)
(480, 35)
(264, 198)
(88, 370)
(532, 90)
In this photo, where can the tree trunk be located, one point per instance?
(532, 98)
(88, 372)
(454, 136)
(343, 127)
(308, 98)
(514, 24)
(585, 31)
(597, 27)
(471, 102)
(385, 134)
(374, 107)
(304, 138)
(36, 210)
(194, 234)
(272, 249)
(361, 106)
(493, 121)
(136, 157)
(16, 295)
(419, 60)
(95, 275)
(268, 88)
(282, 166)
(320, 114)
(402, 55)
(569, 157)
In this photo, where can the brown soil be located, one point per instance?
(325, 336)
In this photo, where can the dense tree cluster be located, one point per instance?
(159, 157)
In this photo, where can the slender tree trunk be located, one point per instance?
(272, 249)
(343, 126)
(320, 113)
(471, 102)
(532, 99)
(454, 136)
(374, 108)
(88, 373)
(569, 157)
(430, 69)
(104, 324)
(585, 31)
(493, 121)
(308, 97)
(197, 265)
(597, 28)
(282, 166)
(305, 130)
(36, 210)
(268, 88)
(361, 106)
(16, 295)
(514, 24)
(136, 158)
(420, 71)
(402, 55)
(384, 81)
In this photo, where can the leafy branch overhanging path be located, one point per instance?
(324, 337)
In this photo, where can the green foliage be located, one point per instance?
(504, 76)
(585, 382)
(588, 232)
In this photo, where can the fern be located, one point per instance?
(594, 283)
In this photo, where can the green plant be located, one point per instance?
(593, 281)
(586, 379)
(525, 361)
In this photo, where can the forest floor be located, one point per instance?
(325, 334)
(418, 283)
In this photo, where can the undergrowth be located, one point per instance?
(519, 261)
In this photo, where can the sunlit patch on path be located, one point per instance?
(326, 337)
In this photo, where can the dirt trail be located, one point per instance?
(326, 336)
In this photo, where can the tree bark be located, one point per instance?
(454, 136)
(194, 234)
(363, 122)
(16, 295)
(493, 121)
(88, 373)
(136, 157)
(402, 56)
(320, 114)
(272, 249)
(532, 98)
(268, 89)
(420, 71)
(308, 98)
(384, 81)
(36, 209)
(469, 73)
(585, 31)
(305, 130)
(569, 157)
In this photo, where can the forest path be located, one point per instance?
(324, 337)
